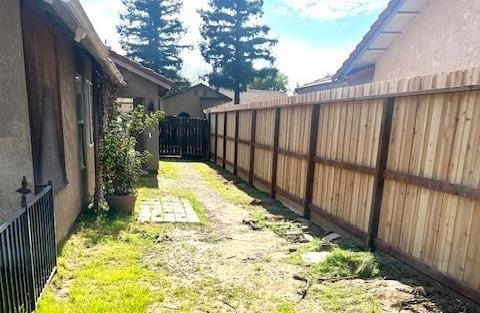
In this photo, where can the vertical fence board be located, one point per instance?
(400, 171)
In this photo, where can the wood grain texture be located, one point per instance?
(429, 210)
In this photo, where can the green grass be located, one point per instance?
(345, 297)
(228, 191)
(168, 170)
(101, 269)
(104, 266)
(341, 262)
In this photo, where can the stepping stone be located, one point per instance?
(167, 210)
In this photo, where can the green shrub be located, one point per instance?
(122, 164)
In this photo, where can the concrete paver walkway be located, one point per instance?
(168, 209)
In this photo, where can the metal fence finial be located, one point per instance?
(24, 191)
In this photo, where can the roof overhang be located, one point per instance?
(389, 25)
(73, 15)
(218, 93)
(140, 70)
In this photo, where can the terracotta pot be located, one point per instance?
(124, 204)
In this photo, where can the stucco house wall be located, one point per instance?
(14, 119)
(15, 138)
(443, 37)
(139, 87)
(79, 191)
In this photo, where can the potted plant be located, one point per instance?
(122, 164)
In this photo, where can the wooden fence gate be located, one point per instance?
(185, 137)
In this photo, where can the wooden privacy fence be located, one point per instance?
(28, 255)
(396, 164)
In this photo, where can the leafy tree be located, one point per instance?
(150, 33)
(269, 78)
(233, 40)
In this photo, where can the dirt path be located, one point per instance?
(228, 267)
(232, 267)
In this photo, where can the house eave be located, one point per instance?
(73, 15)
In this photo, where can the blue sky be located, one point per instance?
(315, 36)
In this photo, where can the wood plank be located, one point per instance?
(275, 152)
(312, 146)
(252, 145)
(235, 155)
(379, 181)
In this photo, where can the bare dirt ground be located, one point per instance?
(228, 267)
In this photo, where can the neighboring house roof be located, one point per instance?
(73, 15)
(317, 85)
(220, 95)
(140, 70)
(389, 25)
(254, 95)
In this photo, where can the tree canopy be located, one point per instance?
(269, 78)
(232, 40)
(150, 33)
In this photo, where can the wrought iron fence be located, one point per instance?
(28, 256)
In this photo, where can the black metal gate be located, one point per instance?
(185, 137)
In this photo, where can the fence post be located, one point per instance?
(209, 136)
(30, 279)
(379, 180)
(312, 151)
(235, 154)
(224, 161)
(252, 145)
(276, 132)
(216, 138)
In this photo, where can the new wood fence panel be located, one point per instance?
(419, 201)
(293, 144)
(435, 137)
(230, 142)
(348, 134)
(220, 132)
(265, 120)
(244, 134)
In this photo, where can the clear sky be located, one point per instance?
(315, 36)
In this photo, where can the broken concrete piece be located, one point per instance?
(307, 238)
(315, 257)
(256, 202)
(331, 237)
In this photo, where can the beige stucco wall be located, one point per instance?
(444, 37)
(189, 101)
(15, 152)
(81, 182)
(139, 87)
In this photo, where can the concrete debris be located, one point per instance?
(315, 257)
(331, 237)
(256, 202)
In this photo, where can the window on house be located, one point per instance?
(89, 110)
(80, 119)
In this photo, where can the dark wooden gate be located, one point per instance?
(185, 137)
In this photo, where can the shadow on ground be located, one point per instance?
(444, 299)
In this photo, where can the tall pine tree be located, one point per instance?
(150, 33)
(233, 40)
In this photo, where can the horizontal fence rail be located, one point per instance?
(394, 164)
(28, 254)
